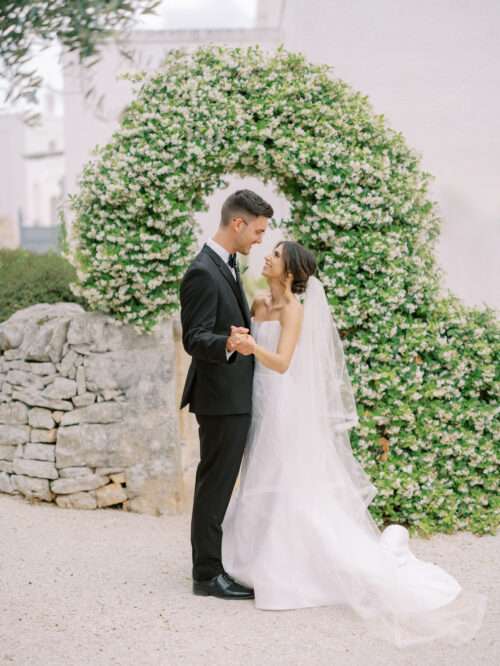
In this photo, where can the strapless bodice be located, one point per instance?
(266, 334)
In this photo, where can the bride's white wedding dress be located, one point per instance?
(297, 529)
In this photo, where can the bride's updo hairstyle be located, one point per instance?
(298, 261)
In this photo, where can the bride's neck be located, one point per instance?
(280, 294)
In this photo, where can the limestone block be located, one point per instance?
(118, 478)
(84, 400)
(11, 435)
(47, 379)
(32, 487)
(61, 389)
(13, 413)
(37, 468)
(156, 502)
(83, 500)
(6, 466)
(45, 337)
(95, 331)
(96, 413)
(24, 379)
(7, 452)
(6, 485)
(43, 435)
(13, 354)
(38, 344)
(41, 418)
(154, 488)
(42, 312)
(11, 335)
(67, 363)
(77, 484)
(57, 416)
(40, 452)
(72, 472)
(96, 445)
(80, 381)
(113, 371)
(110, 494)
(34, 399)
(39, 369)
(43, 369)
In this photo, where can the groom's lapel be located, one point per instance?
(235, 286)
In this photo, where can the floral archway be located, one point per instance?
(423, 365)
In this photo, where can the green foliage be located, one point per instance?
(80, 26)
(27, 279)
(424, 367)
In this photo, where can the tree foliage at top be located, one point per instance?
(80, 26)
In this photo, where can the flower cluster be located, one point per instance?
(424, 367)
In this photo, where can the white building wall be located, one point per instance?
(31, 174)
(44, 184)
(86, 125)
(12, 178)
(44, 171)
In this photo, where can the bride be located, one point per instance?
(297, 529)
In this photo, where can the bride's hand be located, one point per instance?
(246, 345)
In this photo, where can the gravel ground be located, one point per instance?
(110, 587)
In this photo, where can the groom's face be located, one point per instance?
(249, 230)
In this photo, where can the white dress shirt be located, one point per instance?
(222, 252)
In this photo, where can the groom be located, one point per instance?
(218, 386)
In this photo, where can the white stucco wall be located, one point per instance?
(433, 69)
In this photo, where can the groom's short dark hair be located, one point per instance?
(244, 202)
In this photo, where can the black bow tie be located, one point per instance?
(232, 261)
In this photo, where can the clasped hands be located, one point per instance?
(240, 341)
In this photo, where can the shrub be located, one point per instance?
(27, 278)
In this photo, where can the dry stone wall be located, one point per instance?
(88, 413)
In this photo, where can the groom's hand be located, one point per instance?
(237, 332)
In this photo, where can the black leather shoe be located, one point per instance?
(222, 586)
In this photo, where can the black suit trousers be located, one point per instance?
(222, 442)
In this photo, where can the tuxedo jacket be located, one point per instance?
(211, 302)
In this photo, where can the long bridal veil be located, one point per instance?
(401, 598)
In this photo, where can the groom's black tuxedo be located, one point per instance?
(219, 392)
(212, 301)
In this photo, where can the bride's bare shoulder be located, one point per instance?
(293, 311)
